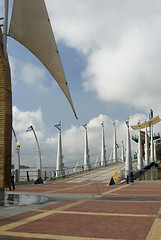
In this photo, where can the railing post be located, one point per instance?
(28, 178)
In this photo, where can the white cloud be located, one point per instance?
(28, 73)
(21, 122)
(121, 42)
(72, 138)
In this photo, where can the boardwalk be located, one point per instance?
(86, 208)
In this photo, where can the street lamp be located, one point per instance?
(39, 164)
(17, 164)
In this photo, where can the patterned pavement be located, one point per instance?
(121, 211)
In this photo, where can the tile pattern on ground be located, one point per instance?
(92, 219)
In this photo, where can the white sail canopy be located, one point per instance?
(30, 25)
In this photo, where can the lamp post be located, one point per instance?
(17, 163)
(39, 164)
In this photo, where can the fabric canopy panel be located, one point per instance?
(30, 25)
(148, 123)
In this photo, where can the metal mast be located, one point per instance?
(39, 165)
(86, 151)
(114, 145)
(103, 151)
(59, 163)
(128, 162)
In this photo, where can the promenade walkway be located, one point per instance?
(87, 209)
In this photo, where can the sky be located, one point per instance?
(110, 52)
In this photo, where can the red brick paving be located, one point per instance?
(101, 206)
(114, 227)
(17, 217)
(74, 188)
(98, 226)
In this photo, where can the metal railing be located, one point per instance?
(27, 175)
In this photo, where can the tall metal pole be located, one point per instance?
(39, 164)
(86, 151)
(146, 147)
(152, 145)
(114, 145)
(155, 152)
(103, 151)
(17, 164)
(128, 162)
(5, 27)
(140, 154)
(59, 163)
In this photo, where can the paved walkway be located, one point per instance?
(86, 210)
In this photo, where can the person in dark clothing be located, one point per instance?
(127, 179)
(12, 187)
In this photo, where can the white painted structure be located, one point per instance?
(123, 152)
(86, 150)
(147, 162)
(155, 152)
(103, 150)
(152, 146)
(114, 145)
(140, 153)
(17, 161)
(39, 163)
(59, 162)
(128, 162)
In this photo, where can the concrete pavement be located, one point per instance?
(89, 209)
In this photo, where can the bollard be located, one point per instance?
(127, 179)
(28, 178)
